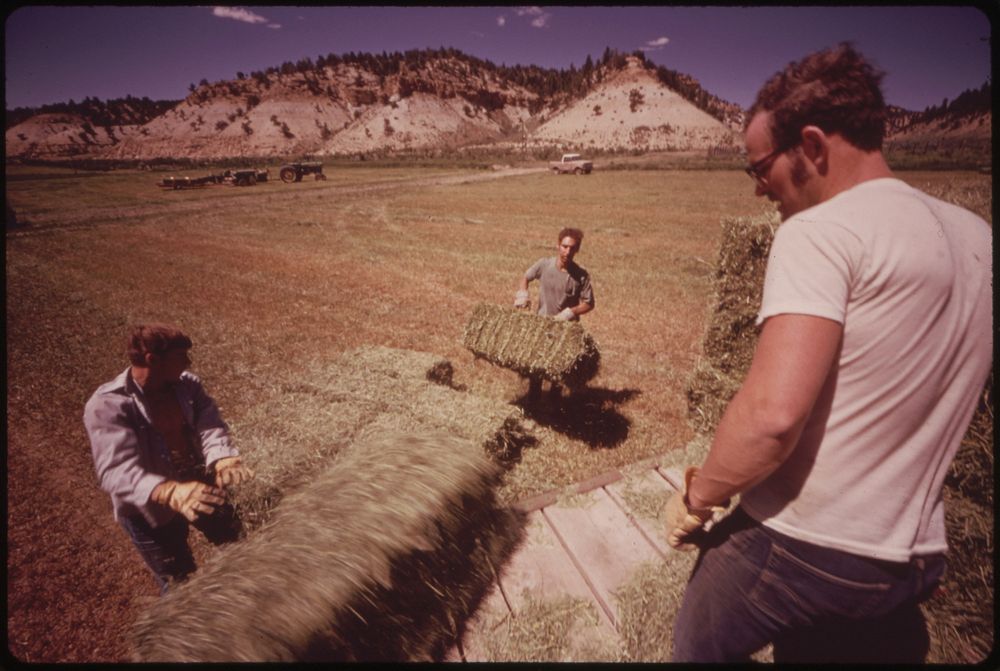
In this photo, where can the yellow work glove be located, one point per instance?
(682, 519)
(190, 499)
(231, 471)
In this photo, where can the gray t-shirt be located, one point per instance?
(559, 289)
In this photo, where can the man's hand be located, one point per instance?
(231, 471)
(565, 315)
(190, 499)
(521, 299)
(683, 520)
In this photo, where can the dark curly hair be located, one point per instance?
(155, 339)
(837, 90)
(574, 233)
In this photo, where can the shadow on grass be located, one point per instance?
(587, 414)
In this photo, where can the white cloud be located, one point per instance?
(240, 14)
(655, 45)
(501, 21)
(540, 16)
(274, 26)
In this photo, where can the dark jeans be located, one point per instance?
(752, 586)
(165, 548)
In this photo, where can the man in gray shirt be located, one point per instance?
(564, 293)
(163, 452)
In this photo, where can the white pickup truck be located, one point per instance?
(571, 163)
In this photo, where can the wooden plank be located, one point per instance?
(541, 569)
(648, 487)
(539, 501)
(674, 476)
(602, 542)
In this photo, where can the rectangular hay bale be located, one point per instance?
(381, 557)
(319, 416)
(532, 345)
(731, 336)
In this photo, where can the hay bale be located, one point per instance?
(381, 557)
(532, 345)
(317, 418)
(731, 335)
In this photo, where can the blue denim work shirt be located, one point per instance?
(131, 457)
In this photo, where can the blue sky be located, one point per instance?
(58, 53)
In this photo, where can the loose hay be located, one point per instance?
(412, 391)
(565, 629)
(731, 336)
(532, 345)
(383, 556)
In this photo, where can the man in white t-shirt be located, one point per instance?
(875, 343)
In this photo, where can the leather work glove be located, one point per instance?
(683, 520)
(566, 315)
(190, 499)
(231, 471)
(521, 299)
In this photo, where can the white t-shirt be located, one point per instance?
(910, 278)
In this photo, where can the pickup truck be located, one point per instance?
(573, 163)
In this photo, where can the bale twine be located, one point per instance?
(382, 557)
(532, 345)
(731, 335)
(318, 417)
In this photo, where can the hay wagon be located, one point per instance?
(245, 177)
(190, 182)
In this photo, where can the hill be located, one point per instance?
(429, 101)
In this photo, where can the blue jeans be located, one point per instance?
(752, 586)
(165, 548)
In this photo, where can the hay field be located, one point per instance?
(274, 281)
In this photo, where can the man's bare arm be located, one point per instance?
(763, 422)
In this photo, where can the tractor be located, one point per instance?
(293, 172)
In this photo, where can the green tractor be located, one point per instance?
(293, 172)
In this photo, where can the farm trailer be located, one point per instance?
(234, 177)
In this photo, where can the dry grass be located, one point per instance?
(276, 281)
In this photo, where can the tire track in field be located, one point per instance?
(121, 216)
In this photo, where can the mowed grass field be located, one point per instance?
(274, 281)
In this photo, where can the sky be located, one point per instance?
(61, 53)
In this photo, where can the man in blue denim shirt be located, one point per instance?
(875, 343)
(163, 452)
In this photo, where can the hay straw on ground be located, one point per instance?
(532, 345)
(731, 336)
(318, 417)
(564, 629)
(380, 557)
